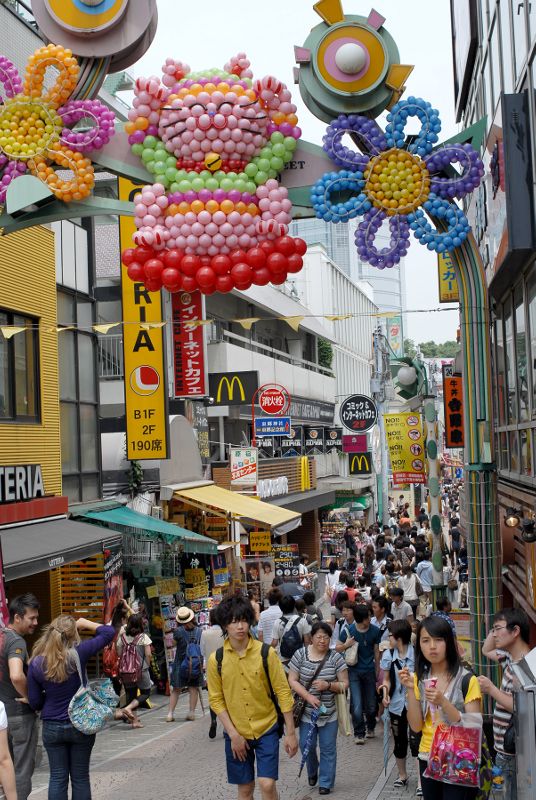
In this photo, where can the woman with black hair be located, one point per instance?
(134, 636)
(441, 701)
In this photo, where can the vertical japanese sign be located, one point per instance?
(453, 402)
(113, 579)
(189, 345)
(405, 442)
(448, 285)
(143, 347)
(243, 465)
(395, 336)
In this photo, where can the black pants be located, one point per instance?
(436, 790)
(131, 693)
(399, 727)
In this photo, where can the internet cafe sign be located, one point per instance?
(21, 482)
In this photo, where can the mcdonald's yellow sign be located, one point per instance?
(360, 463)
(233, 388)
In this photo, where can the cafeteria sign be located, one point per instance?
(406, 447)
(143, 348)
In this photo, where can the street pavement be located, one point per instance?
(178, 760)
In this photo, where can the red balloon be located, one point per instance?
(261, 276)
(128, 256)
(205, 277)
(256, 257)
(207, 289)
(153, 284)
(301, 246)
(135, 271)
(221, 264)
(143, 253)
(295, 263)
(224, 284)
(189, 265)
(278, 278)
(242, 273)
(189, 284)
(205, 261)
(238, 256)
(285, 245)
(268, 247)
(170, 277)
(153, 268)
(277, 262)
(243, 285)
(173, 258)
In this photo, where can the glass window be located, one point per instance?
(6, 409)
(90, 488)
(66, 354)
(484, 16)
(526, 453)
(506, 45)
(86, 368)
(70, 487)
(486, 85)
(88, 437)
(19, 369)
(25, 371)
(500, 373)
(532, 21)
(68, 254)
(495, 63)
(514, 451)
(520, 39)
(510, 367)
(66, 309)
(521, 356)
(69, 437)
(531, 303)
(503, 446)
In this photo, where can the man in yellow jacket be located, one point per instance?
(249, 692)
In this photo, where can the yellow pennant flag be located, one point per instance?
(336, 317)
(247, 322)
(294, 322)
(104, 327)
(11, 330)
(147, 326)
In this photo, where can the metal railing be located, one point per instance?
(110, 357)
(217, 334)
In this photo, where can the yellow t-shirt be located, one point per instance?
(428, 728)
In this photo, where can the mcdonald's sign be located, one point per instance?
(360, 463)
(233, 388)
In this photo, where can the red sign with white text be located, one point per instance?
(189, 345)
(274, 401)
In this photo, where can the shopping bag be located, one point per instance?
(343, 715)
(455, 754)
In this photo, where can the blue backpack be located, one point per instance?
(191, 666)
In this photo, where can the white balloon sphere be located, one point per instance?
(350, 58)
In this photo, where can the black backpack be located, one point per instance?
(392, 673)
(291, 639)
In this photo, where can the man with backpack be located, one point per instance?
(187, 670)
(249, 693)
(291, 632)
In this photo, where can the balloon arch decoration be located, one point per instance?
(212, 147)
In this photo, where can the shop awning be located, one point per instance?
(241, 508)
(28, 549)
(125, 520)
(306, 501)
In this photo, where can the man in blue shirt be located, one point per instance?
(363, 674)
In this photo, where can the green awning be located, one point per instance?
(126, 520)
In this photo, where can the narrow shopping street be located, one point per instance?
(178, 760)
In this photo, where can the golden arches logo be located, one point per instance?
(230, 388)
(360, 459)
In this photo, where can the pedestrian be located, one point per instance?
(291, 631)
(269, 616)
(364, 672)
(400, 609)
(350, 589)
(257, 609)
(211, 639)
(506, 643)
(303, 571)
(436, 656)
(317, 674)
(425, 573)
(411, 586)
(53, 680)
(246, 669)
(22, 722)
(381, 608)
(400, 654)
(314, 614)
(337, 618)
(134, 646)
(332, 578)
(455, 541)
(349, 540)
(187, 669)
(7, 772)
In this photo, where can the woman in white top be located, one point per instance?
(410, 585)
(7, 773)
(211, 639)
(332, 579)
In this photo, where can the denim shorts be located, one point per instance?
(265, 749)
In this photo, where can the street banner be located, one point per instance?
(287, 562)
(272, 426)
(405, 442)
(448, 285)
(145, 385)
(333, 440)
(293, 446)
(358, 413)
(354, 444)
(113, 580)
(314, 440)
(360, 463)
(394, 335)
(233, 388)
(243, 464)
(453, 402)
(189, 345)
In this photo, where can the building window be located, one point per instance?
(521, 356)
(520, 35)
(19, 370)
(510, 366)
(506, 46)
(531, 302)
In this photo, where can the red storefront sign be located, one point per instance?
(189, 345)
(354, 443)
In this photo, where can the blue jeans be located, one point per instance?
(509, 771)
(363, 701)
(326, 736)
(69, 752)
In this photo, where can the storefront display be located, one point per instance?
(333, 547)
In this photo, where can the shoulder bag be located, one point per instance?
(92, 706)
(299, 701)
(350, 655)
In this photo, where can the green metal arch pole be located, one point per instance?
(480, 476)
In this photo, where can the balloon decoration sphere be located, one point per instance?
(216, 142)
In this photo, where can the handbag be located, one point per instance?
(343, 715)
(350, 655)
(452, 584)
(456, 753)
(92, 706)
(299, 701)
(509, 741)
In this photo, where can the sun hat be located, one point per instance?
(184, 615)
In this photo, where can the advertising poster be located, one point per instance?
(293, 446)
(113, 580)
(253, 569)
(314, 440)
(243, 465)
(395, 336)
(260, 542)
(405, 442)
(221, 575)
(333, 440)
(453, 401)
(286, 561)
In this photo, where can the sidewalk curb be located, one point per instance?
(380, 784)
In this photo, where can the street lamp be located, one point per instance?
(407, 376)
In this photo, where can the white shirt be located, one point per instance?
(402, 611)
(280, 628)
(211, 639)
(266, 622)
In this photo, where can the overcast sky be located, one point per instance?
(205, 33)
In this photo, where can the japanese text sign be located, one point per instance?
(260, 542)
(453, 402)
(405, 441)
(358, 413)
(286, 561)
(188, 344)
(448, 285)
(243, 464)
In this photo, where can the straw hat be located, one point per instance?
(184, 615)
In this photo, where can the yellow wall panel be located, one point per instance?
(28, 286)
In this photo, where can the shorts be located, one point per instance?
(265, 750)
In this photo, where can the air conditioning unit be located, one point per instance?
(157, 512)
